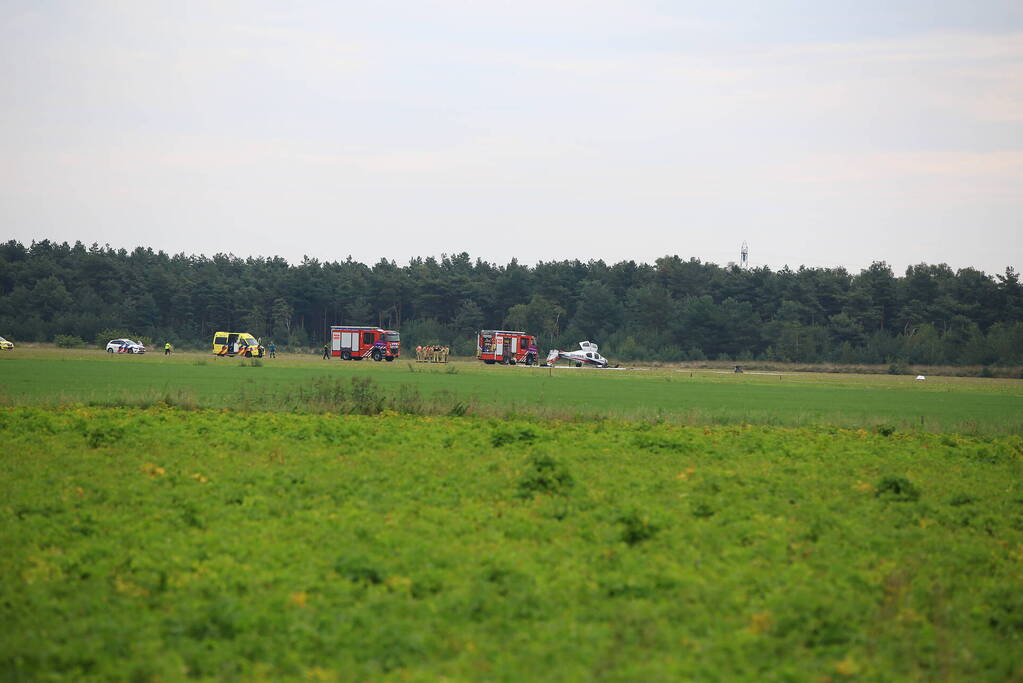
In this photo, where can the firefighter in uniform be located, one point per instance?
(326, 351)
(531, 354)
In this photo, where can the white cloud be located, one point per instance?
(533, 118)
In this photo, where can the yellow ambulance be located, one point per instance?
(236, 344)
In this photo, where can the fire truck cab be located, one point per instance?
(355, 343)
(506, 347)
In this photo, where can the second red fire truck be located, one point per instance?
(506, 347)
(355, 343)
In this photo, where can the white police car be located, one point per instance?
(124, 346)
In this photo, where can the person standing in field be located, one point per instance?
(272, 348)
(326, 352)
(167, 349)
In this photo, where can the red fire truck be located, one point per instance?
(355, 343)
(506, 347)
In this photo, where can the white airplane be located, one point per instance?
(587, 354)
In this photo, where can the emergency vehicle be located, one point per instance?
(506, 347)
(356, 343)
(236, 344)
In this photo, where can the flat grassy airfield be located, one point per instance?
(166, 518)
(992, 406)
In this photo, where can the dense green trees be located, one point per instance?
(674, 309)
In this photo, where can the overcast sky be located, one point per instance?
(823, 133)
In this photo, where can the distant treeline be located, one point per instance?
(673, 309)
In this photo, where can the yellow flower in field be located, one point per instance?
(128, 588)
(398, 584)
(153, 470)
(909, 616)
(298, 599)
(42, 570)
(685, 475)
(864, 487)
(760, 622)
(847, 667)
(199, 478)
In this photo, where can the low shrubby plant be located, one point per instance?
(637, 527)
(898, 489)
(68, 341)
(885, 429)
(544, 475)
(510, 433)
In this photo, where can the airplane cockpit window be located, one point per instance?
(589, 355)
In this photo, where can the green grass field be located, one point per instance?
(165, 544)
(956, 404)
(191, 518)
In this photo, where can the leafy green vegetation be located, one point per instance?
(187, 516)
(165, 543)
(67, 341)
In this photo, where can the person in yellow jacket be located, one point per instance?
(167, 349)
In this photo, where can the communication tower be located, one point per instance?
(744, 255)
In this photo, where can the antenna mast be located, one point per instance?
(744, 255)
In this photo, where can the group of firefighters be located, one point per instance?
(432, 354)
